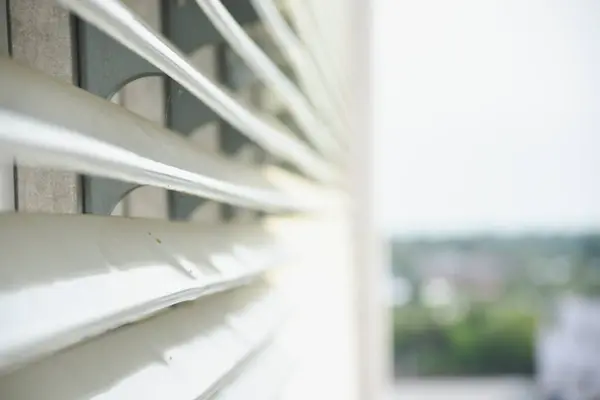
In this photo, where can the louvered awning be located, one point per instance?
(99, 305)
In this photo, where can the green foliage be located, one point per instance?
(483, 342)
(528, 273)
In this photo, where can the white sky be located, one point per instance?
(487, 115)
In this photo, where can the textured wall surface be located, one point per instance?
(41, 38)
(7, 192)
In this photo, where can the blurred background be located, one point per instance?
(486, 188)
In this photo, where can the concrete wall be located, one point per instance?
(41, 38)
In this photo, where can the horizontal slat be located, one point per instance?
(66, 278)
(119, 22)
(317, 87)
(263, 376)
(269, 73)
(46, 122)
(311, 34)
(180, 354)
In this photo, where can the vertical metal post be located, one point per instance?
(104, 67)
(230, 140)
(186, 25)
(188, 28)
(233, 73)
(145, 97)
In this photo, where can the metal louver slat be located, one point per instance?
(319, 88)
(119, 22)
(89, 274)
(267, 71)
(181, 354)
(314, 39)
(49, 123)
(263, 376)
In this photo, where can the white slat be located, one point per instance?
(181, 354)
(316, 43)
(263, 376)
(50, 123)
(317, 87)
(267, 71)
(119, 22)
(66, 278)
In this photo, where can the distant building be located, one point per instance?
(477, 274)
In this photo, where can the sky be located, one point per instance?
(487, 115)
